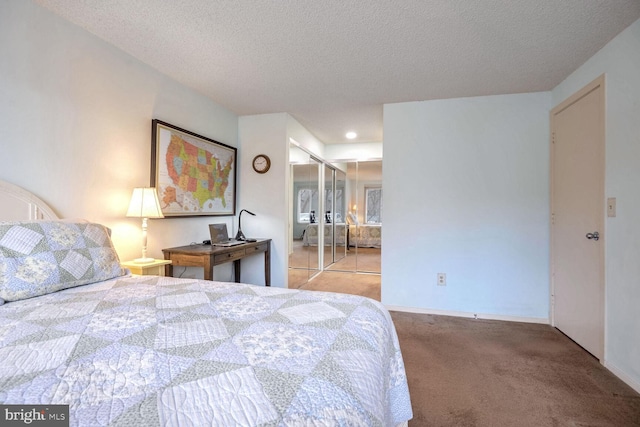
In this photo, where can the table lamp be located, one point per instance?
(240, 234)
(144, 204)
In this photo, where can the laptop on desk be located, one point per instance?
(220, 236)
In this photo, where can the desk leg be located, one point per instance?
(348, 237)
(236, 270)
(208, 268)
(267, 266)
(168, 269)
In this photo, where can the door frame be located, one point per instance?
(590, 87)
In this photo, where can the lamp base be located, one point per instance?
(144, 260)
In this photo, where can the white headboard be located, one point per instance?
(18, 204)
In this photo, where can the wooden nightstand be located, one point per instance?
(155, 268)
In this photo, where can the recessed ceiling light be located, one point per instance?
(351, 135)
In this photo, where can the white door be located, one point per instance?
(577, 214)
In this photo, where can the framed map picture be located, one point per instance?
(194, 175)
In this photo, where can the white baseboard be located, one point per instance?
(623, 376)
(485, 316)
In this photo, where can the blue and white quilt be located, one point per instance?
(162, 351)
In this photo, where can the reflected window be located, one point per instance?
(373, 206)
(306, 211)
(338, 213)
(328, 205)
(339, 210)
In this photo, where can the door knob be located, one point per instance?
(595, 235)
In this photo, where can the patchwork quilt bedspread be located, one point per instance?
(164, 351)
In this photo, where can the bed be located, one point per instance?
(360, 235)
(310, 236)
(76, 329)
(366, 235)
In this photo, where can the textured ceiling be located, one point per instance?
(332, 63)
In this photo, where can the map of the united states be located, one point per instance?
(197, 172)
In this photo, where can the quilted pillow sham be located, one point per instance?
(41, 257)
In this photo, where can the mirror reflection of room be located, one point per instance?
(337, 206)
(364, 218)
(304, 211)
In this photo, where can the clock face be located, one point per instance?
(261, 163)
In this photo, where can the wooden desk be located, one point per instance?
(207, 256)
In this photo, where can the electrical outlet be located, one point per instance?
(611, 207)
(442, 279)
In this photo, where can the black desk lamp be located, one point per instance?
(240, 234)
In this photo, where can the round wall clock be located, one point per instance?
(261, 163)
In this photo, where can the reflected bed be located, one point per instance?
(361, 235)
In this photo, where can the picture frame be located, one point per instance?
(194, 175)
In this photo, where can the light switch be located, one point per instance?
(611, 207)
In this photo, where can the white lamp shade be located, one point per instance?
(145, 204)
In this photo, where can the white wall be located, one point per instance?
(304, 138)
(356, 151)
(466, 193)
(75, 123)
(620, 60)
(265, 194)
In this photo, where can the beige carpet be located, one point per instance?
(359, 259)
(465, 372)
(476, 373)
(299, 258)
(356, 259)
(297, 277)
(367, 285)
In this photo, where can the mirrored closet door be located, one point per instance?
(329, 216)
(335, 207)
(366, 235)
(335, 230)
(304, 216)
(340, 216)
(363, 218)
